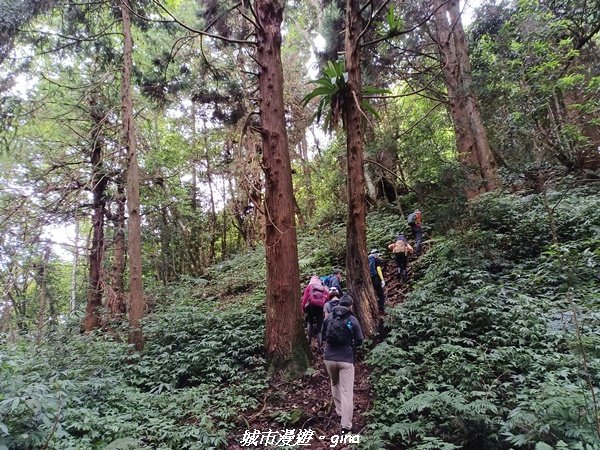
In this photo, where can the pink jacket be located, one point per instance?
(316, 281)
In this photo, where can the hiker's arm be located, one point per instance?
(358, 335)
(322, 334)
(409, 249)
(305, 296)
(380, 273)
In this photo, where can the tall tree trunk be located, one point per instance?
(213, 211)
(136, 294)
(359, 279)
(116, 302)
(286, 345)
(194, 190)
(99, 182)
(6, 317)
(170, 214)
(471, 138)
(73, 302)
(166, 273)
(196, 250)
(224, 228)
(42, 283)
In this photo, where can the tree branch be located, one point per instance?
(368, 25)
(399, 33)
(202, 32)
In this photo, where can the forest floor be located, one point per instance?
(306, 403)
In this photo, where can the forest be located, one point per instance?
(173, 174)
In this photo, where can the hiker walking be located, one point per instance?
(334, 300)
(334, 280)
(341, 333)
(375, 268)
(313, 300)
(414, 221)
(401, 249)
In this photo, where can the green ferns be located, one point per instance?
(201, 367)
(498, 346)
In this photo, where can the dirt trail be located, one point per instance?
(306, 403)
(395, 288)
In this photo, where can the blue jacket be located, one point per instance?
(335, 282)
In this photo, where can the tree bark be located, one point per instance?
(213, 211)
(73, 302)
(224, 228)
(116, 301)
(359, 279)
(286, 346)
(194, 190)
(136, 294)
(99, 182)
(471, 138)
(196, 250)
(166, 271)
(42, 283)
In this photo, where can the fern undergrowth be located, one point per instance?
(498, 345)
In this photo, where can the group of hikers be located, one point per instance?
(328, 315)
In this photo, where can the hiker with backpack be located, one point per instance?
(375, 268)
(313, 300)
(334, 280)
(414, 222)
(334, 300)
(342, 333)
(401, 249)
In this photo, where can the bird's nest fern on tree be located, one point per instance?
(332, 89)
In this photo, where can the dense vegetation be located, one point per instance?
(202, 366)
(497, 345)
(172, 172)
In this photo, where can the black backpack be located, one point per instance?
(339, 329)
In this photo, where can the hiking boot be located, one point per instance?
(346, 431)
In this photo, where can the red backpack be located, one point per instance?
(318, 296)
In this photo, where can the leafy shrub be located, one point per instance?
(523, 224)
(198, 344)
(201, 367)
(321, 251)
(382, 227)
(497, 347)
(235, 277)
